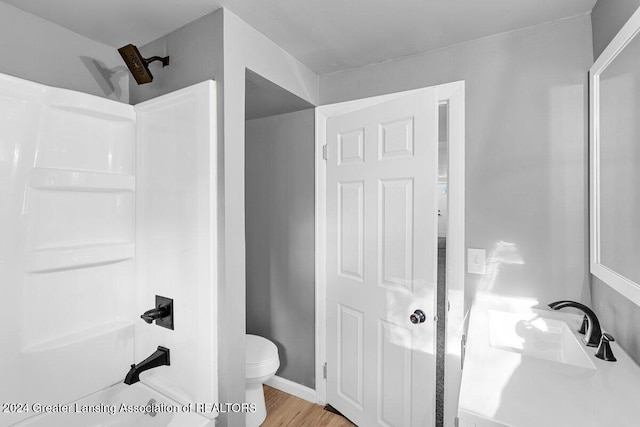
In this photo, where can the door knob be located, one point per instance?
(417, 316)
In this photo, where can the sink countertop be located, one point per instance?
(505, 388)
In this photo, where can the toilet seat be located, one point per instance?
(261, 357)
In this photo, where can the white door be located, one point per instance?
(381, 261)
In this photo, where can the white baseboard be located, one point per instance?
(295, 389)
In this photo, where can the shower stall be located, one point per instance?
(103, 206)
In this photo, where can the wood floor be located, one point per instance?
(286, 410)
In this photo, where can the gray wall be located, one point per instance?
(617, 314)
(279, 202)
(245, 48)
(526, 149)
(607, 17)
(40, 51)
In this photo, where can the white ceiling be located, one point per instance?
(326, 35)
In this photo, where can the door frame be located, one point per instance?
(454, 94)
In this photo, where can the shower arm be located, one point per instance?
(164, 60)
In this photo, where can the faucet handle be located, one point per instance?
(156, 313)
(162, 314)
(604, 349)
(584, 326)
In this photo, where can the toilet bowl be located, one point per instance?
(262, 362)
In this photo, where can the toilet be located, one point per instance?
(262, 362)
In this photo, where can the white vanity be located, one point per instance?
(530, 368)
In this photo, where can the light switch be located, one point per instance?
(476, 261)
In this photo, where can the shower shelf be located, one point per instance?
(51, 260)
(115, 328)
(76, 180)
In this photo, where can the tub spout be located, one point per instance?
(159, 358)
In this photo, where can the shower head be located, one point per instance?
(138, 65)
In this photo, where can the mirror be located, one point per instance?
(615, 163)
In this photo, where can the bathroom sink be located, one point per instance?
(533, 335)
(529, 368)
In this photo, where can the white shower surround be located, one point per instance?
(105, 205)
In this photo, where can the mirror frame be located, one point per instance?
(615, 280)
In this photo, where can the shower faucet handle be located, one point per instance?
(155, 313)
(162, 314)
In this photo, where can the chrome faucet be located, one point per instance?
(159, 358)
(594, 333)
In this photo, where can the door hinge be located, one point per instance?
(324, 152)
(456, 422)
(324, 367)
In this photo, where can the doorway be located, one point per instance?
(279, 229)
(376, 246)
